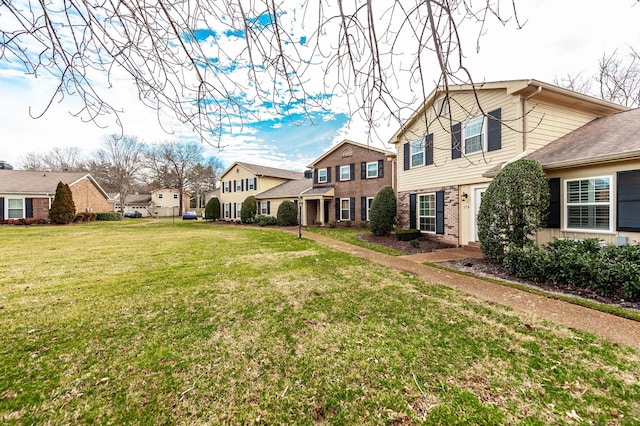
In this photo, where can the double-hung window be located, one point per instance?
(345, 172)
(369, 201)
(238, 210)
(227, 210)
(345, 208)
(264, 208)
(15, 208)
(239, 185)
(588, 204)
(474, 135)
(322, 175)
(417, 153)
(372, 170)
(251, 184)
(427, 212)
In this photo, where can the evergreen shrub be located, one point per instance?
(383, 211)
(63, 209)
(287, 214)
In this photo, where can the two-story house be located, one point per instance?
(166, 202)
(242, 180)
(456, 136)
(345, 180)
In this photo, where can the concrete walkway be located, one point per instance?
(607, 326)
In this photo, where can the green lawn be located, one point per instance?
(191, 323)
(350, 235)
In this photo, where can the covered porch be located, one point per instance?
(317, 204)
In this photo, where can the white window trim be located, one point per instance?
(348, 209)
(419, 143)
(369, 201)
(160, 195)
(565, 206)
(320, 176)
(238, 210)
(239, 185)
(263, 208)
(22, 209)
(251, 186)
(227, 210)
(418, 216)
(348, 167)
(372, 176)
(483, 134)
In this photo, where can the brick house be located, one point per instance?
(345, 180)
(26, 194)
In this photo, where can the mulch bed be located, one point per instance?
(390, 241)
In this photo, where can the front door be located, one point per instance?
(477, 193)
(327, 209)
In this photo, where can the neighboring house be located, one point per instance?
(345, 180)
(139, 202)
(269, 201)
(447, 146)
(166, 202)
(211, 194)
(26, 194)
(242, 180)
(594, 180)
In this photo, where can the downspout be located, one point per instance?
(525, 121)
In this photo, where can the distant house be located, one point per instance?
(139, 202)
(345, 180)
(242, 180)
(26, 194)
(594, 180)
(447, 146)
(166, 202)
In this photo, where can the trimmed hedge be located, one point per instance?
(287, 214)
(407, 234)
(108, 216)
(383, 211)
(212, 209)
(265, 220)
(607, 270)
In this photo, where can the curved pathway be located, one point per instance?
(613, 328)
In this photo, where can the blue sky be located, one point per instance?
(559, 38)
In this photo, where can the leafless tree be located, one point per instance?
(576, 82)
(619, 78)
(176, 165)
(205, 60)
(118, 163)
(67, 159)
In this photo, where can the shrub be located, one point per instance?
(212, 209)
(383, 211)
(348, 223)
(414, 243)
(249, 209)
(63, 209)
(287, 214)
(109, 216)
(363, 225)
(265, 220)
(407, 234)
(513, 208)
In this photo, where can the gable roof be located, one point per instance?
(289, 189)
(259, 170)
(347, 141)
(27, 182)
(611, 138)
(521, 88)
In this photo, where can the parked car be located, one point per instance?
(133, 214)
(189, 216)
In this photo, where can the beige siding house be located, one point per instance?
(165, 202)
(447, 146)
(269, 201)
(242, 180)
(594, 178)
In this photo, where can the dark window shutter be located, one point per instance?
(439, 212)
(242, 187)
(352, 171)
(255, 183)
(328, 174)
(494, 130)
(1, 208)
(352, 208)
(234, 210)
(268, 207)
(337, 208)
(223, 185)
(553, 214)
(246, 184)
(315, 175)
(456, 141)
(338, 174)
(428, 149)
(412, 211)
(28, 207)
(628, 205)
(363, 208)
(234, 185)
(259, 205)
(407, 156)
(363, 170)
(380, 168)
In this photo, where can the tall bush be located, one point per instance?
(249, 209)
(63, 209)
(212, 209)
(383, 211)
(287, 214)
(513, 208)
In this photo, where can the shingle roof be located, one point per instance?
(610, 138)
(259, 170)
(290, 189)
(138, 199)
(26, 182)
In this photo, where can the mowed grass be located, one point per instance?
(193, 323)
(350, 235)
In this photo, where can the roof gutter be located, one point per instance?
(525, 121)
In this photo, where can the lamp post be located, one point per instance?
(300, 217)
